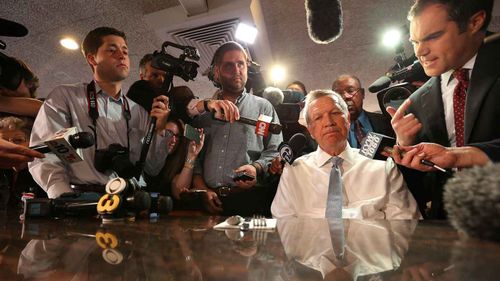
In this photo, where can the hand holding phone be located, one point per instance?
(242, 176)
(192, 133)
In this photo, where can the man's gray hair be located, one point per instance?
(316, 94)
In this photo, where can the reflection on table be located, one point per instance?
(188, 248)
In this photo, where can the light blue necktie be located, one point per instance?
(334, 200)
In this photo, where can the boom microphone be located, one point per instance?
(324, 20)
(274, 95)
(374, 144)
(471, 200)
(291, 150)
(12, 29)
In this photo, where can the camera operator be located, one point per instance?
(448, 39)
(102, 106)
(234, 147)
(362, 122)
(155, 76)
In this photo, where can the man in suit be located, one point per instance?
(458, 106)
(362, 122)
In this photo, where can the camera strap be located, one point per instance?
(94, 112)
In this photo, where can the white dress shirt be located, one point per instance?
(448, 84)
(67, 106)
(372, 189)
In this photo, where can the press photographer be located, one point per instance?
(100, 105)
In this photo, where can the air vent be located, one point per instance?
(206, 38)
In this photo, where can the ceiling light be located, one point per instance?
(277, 74)
(69, 43)
(391, 38)
(246, 33)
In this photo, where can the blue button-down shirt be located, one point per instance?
(366, 127)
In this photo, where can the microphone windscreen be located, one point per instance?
(379, 84)
(142, 93)
(297, 143)
(324, 20)
(273, 95)
(165, 204)
(81, 140)
(472, 199)
(12, 29)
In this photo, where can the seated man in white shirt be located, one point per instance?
(371, 189)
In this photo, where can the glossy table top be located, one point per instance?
(188, 248)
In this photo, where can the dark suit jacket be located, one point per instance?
(482, 115)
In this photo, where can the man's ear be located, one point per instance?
(309, 129)
(476, 22)
(91, 59)
(216, 73)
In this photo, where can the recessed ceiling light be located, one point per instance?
(69, 43)
(246, 33)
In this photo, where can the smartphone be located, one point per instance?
(192, 133)
(242, 176)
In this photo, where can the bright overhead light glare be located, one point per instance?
(391, 38)
(277, 74)
(246, 33)
(69, 43)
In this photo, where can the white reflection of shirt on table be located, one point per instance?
(371, 247)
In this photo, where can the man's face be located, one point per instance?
(296, 88)
(438, 43)
(232, 72)
(174, 141)
(328, 125)
(153, 75)
(353, 94)
(111, 62)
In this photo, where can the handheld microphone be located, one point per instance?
(289, 151)
(64, 143)
(324, 20)
(374, 144)
(263, 126)
(143, 93)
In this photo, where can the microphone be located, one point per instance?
(415, 71)
(12, 29)
(374, 144)
(64, 143)
(471, 200)
(324, 20)
(263, 126)
(291, 150)
(143, 93)
(274, 95)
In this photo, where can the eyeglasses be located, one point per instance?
(349, 92)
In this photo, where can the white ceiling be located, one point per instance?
(357, 51)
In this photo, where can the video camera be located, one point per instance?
(10, 69)
(173, 66)
(399, 83)
(116, 158)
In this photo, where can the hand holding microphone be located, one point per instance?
(378, 146)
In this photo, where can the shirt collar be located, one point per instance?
(363, 119)
(239, 99)
(100, 91)
(447, 76)
(347, 155)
